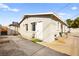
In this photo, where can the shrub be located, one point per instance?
(36, 40)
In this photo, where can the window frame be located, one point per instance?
(26, 27)
(33, 26)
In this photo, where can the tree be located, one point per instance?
(69, 22)
(74, 24)
(77, 22)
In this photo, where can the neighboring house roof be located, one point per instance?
(57, 18)
(16, 24)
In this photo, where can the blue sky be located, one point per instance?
(14, 11)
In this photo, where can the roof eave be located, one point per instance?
(26, 16)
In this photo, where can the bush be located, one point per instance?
(36, 40)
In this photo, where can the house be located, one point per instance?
(13, 28)
(43, 26)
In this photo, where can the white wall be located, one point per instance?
(74, 30)
(50, 28)
(28, 34)
(12, 30)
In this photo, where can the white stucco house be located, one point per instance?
(44, 26)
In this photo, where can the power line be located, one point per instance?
(74, 16)
(61, 9)
(66, 7)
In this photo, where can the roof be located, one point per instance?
(14, 24)
(43, 14)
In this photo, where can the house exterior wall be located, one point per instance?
(50, 28)
(12, 30)
(66, 29)
(28, 34)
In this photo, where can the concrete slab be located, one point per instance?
(21, 47)
(48, 52)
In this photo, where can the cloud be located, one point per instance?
(64, 15)
(14, 10)
(74, 8)
(6, 7)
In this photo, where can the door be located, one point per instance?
(39, 30)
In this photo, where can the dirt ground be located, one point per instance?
(68, 45)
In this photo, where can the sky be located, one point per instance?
(10, 12)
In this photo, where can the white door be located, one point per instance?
(39, 30)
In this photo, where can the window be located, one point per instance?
(33, 26)
(26, 27)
